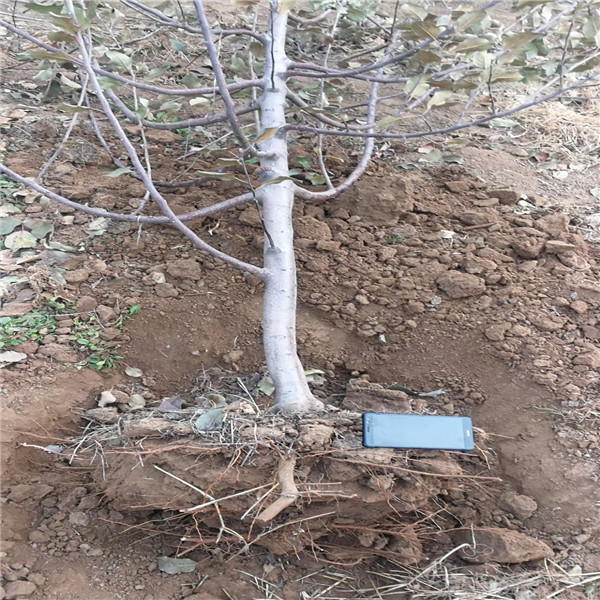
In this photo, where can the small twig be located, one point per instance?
(216, 500)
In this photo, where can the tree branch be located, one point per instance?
(406, 136)
(231, 88)
(168, 21)
(209, 211)
(220, 78)
(199, 122)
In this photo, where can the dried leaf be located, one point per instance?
(469, 19)
(134, 372)
(8, 225)
(71, 108)
(106, 398)
(210, 420)
(266, 385)
(440, 98)
(595, 192)
(518, 40)
(473, 45)
(137, 401)
(200, 100)
(175, 566)
(19, 240)
(267, 134)
(10, 356)
(118, 172)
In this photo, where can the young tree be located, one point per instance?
(422, 60)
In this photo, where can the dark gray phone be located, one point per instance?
(390, 430)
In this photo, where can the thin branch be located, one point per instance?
(209, 211)
(68, 132)
(199, 122)
(406, 136)
(384, 63)
(165, 20)
(296, 19)
(220, 79)
(231, 88)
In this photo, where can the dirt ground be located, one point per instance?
(482, 279)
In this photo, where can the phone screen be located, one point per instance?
(383, 430)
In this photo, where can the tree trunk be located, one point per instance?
(277, 200)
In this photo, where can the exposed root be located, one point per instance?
(289, 491)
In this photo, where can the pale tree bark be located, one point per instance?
(276, 201)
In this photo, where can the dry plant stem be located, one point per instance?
(289, 491)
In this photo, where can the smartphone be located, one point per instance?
(432, 432)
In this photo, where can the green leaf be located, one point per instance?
(275, 180)
(44, 9)
(211, 419)
(119, 59)
(175, 566)
(70, 108)
(38, 227)
(304, 161)
(473, 45)
(440, 98)
(118, 172)
(503, 75)
(8, 225)
(266, 386)
(470, 19)
(66, 24)
(178, 46)
(133, 372)
(518, 40)
(19, 240)
(266, 134)
(108, 83)
(216, 175)
(503, 122)
(192, 81)
(46, 55)
(61, 36)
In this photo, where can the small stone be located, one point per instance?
(328, 245)
(106, 314)
(158, 277)
(166, 290)
(86, 304)
(79, 519)
(528, 247)
(496, 332)
(17, 589)
(505, 196)
(37, 578)
(558, 247)
(554, 225)
(21, 492)
(491, 544)
(588, 359)
(472, 217)
(312, 229)
(386, 253)
(250, 217)
(520, 506)
(59, 353)
(110, 333)
(579, 306)
(591, 333)
(39, 537)
(185, 268)
(574, 261)
(16, 309)
(458, 187)
(78, 276)
(460, 285)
